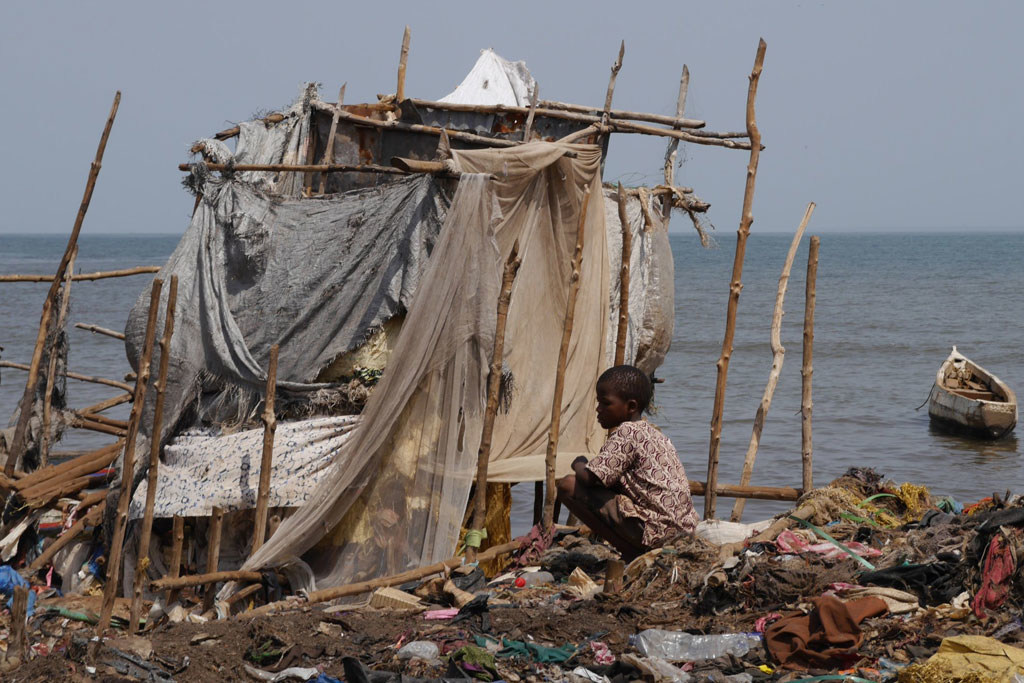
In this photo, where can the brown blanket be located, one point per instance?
(824, 639)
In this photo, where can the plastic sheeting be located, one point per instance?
(396, 492)
(494, 80)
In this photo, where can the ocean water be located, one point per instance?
(889, 308)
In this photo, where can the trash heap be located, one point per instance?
(862, 580)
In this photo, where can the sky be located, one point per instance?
(892, 116)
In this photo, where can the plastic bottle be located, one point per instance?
(419, 649)
(678, 646)
(537, 578)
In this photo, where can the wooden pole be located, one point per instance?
(100, 275)
(51, 371)
(782, 493)
(107, 404)
(417, 128)
(96, 329)
(548, 518)
(72, 375)
(19, 614)
(19, 441)
(493, 386)
(403, 60)
(778, 356)
(213, 554)
(806, 405)
(177, 583)
(329, 152)
(177, 545)
(145, 533)
(128, 466)
(736, 285)
(673, 145)
(364, 586)
(267, 461)
(301, 168)
(627, 250)
(611, 84)
(533, 112)
(676, 121)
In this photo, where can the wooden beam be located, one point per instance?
(329, 150)
(209, 578)
(267, 459)
(781, 493)
(300, 168)
(99, 275)
(736, 284)
(213, 554)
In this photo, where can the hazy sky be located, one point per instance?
(890, 115)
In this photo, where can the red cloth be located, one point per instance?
(995, 577)
(826, 638)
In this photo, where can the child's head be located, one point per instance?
(623, 394)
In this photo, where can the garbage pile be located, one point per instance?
(862, 580)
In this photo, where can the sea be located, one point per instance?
(890, 306)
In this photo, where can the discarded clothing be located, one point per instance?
(538, 653)
(791, 542)
(995, 577)
(9, 580)
(962, 655)
(474, 662)
(356, 672)
(898, 602)
(934, 583)
(824, 639)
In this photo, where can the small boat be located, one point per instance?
(968, 398)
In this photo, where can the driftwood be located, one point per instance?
(90, 518)
(100, 275)
(493, 387)
(51, 370)
(806, 405)
(106, 404)
(83, 422)
(20, 439)
(329, 150)
(548, 518)
(627, 249)
(109, 421)
(114, 556)
(177, 583)
(403, 60)
(72, 375)
(267, 461)
(100, 330)
(735, 285)
(213, 553)
(778, 356)
(146, 531)
(673, 144)
(365, 586)
(84, 464)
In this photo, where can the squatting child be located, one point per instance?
(634, 493)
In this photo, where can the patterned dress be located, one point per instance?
(640, 464)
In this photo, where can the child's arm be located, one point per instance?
(583, 475)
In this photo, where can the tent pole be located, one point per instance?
(266, 463)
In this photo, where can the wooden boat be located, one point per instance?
(968, 398)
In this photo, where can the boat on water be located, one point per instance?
(969, 399)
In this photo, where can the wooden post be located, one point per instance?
(493, 387)
(329, 152)
(806, 405)
(51, 371)
(18, 442)
(611, 85)
(266, 463)
(128, 466)
(778, 355)
(533, 110)
(146, 531)
(213, 554)
(736, 285)
(613, 571)
(627, 250)
(403, 59)
(177, 544)
(673, 145)
(548, 518)
(19, 611)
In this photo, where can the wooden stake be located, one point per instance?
(736, 285)
(19, 614)
(145, 533)
(177, 544)
(403, 60)
(364, 586)
(533, 111)
(115, 553)
(100, 275)
(213, 554)
(266, 463)
(72, 375)
(806, 405)
(329, 152)
(51, 371)
(493, 386)
(778, 356)
(563, 354)
(673, 145)
(611, 84)
(627, 249)
(613, 571)
(20, 439)
(96, 329)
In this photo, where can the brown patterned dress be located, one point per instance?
(642, 466)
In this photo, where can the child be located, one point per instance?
(634, 494)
